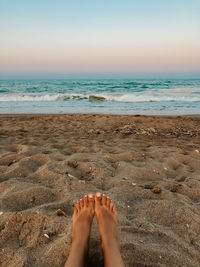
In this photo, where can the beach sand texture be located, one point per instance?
(148, 166)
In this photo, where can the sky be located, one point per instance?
(89, 37)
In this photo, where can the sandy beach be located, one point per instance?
(148, 166)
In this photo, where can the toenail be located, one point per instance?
(98, 194)
(90, 196)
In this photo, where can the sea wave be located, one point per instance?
(96, 97)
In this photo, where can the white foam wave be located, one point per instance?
(149, 98)
(34, 97)
(98, 97)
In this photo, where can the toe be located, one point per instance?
(114, 210)
(108, 202)
(75, 214)
(81, 203)
(78, 206)
(75, 211)
(115, 214)
(111, 206)
(85, 200)
(104, 200)
(91, 200)
(98, 197)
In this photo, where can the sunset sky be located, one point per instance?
(90, 37)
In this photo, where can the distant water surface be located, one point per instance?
(148, 97)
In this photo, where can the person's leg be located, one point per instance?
(82, 221)
(107, 220)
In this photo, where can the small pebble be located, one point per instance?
(133, 184)
(156, 190)
(187, 225)
(82, 181)
(60, 212)
(128, 206)
(46, 236)
(196, 150)
(36, 212)
(70, 175)
(1, 212)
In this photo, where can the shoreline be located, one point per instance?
(95, 114)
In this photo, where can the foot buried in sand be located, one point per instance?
(106, 214)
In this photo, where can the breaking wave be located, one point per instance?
(97, 97)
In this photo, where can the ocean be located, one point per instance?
(101, 96)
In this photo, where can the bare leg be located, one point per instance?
(107, 220)
(82, 221)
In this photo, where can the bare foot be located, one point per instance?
(82, 221)
(82, 218)
(107, 220)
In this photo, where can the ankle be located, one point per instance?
(110, 243)
(81, 240)
(80, 244)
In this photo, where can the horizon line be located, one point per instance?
(156, 75)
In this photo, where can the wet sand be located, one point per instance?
(148, 166)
